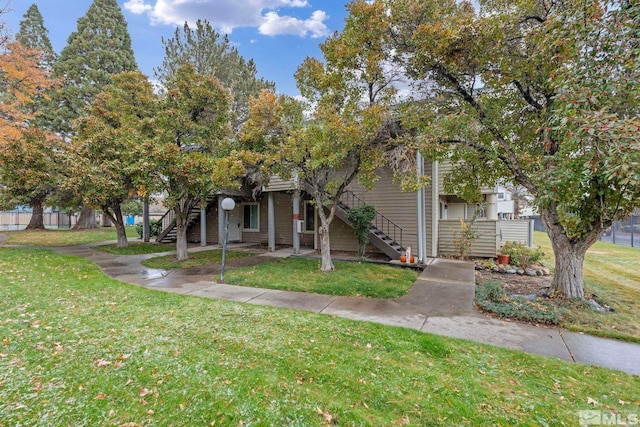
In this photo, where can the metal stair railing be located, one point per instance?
(350, 200)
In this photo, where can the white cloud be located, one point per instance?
(229, 14)
(137, 7)
(275, 24)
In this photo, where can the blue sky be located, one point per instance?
(277, 34)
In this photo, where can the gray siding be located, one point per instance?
(516, 230)
(278, 184)
(487, 245)
(399, 206)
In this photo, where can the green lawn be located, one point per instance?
(136, 248)
(196, 259)
(612, 272)
(64, 237)
(349, 279)
(78, 348)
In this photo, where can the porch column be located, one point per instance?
(422, 220)
(203, 226)
(492, 206)
(435, 209)
(220, 221)
(296, 217)
(272, 223)
(146, 232)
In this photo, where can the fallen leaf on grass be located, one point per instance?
(591, 401)
(144, 392)
(100, 396)
(102, 362)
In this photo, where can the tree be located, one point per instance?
(28, 155)
(4, 37)
(108, 158)
(541, 94)
(351, 126)
(34, 35)
(99, 48)
(193, 154)
(213, 54)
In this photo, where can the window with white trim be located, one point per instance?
(251, 217)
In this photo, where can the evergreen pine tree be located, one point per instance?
(34, 35)
(99, 48)
(213, 54)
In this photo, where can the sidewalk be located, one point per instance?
(440, 302)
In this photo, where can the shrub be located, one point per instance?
(154, 228)
(491, 297)
(521, 256)
(360, 218)
(464, 238)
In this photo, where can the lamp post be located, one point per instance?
(227, 205)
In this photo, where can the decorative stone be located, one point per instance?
(545, 271)
(520, 271)
(530, 272)
(511, 271)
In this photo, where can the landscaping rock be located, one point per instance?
(545, 271)
(511, 271)
(530, 272)
(596, 306)
(520, 271)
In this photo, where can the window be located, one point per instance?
(309, 216)
(251, 217)
(500, 196)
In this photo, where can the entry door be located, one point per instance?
(235, 220)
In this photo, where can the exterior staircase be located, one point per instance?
(384, 234)
(169, 231)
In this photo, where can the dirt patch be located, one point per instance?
(515, 284)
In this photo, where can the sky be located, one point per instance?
(277, 34)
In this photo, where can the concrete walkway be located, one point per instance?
(440, 302)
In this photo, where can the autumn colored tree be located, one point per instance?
(28, 155)
(99, 48)
(351, 127)
(541, 94)
(193, 152)
(108, 159)
(213, 54)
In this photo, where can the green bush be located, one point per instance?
(360, 218)
(520, 255)
(491, 298)
(155, 227)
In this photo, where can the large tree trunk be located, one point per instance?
(567, 278)
(114, 214)
(325, 243)
(37, 216)
(569, 254)
(86, 220)
(181, 237)
(325, 249)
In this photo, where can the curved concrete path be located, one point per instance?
(440, 302)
